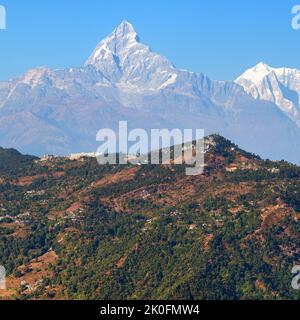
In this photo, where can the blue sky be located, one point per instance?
(220, 38)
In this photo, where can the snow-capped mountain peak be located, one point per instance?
(278, 85)
(126, 31)
(37, 76)
(116, 44)
(122, 59)
(254, 75)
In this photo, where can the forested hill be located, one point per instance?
(11, 160)
(77, 230)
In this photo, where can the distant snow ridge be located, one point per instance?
(278, 85)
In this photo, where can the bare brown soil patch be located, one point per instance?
(58, 174)
(122, 176)
(122, 261)
(25, 181)
(207, 240)
(32, 276)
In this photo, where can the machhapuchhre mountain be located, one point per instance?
(71, 229)
(60, 111)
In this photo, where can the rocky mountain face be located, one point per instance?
(60, 111)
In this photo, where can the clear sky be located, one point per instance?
(220, 38)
